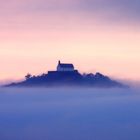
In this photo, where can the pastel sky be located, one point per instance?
(94, 35)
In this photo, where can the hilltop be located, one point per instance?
(66, 75)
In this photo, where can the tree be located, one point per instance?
(28, 76)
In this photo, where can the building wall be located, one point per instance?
(64, 69)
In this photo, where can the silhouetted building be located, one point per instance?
(64, 67)
(66, 75)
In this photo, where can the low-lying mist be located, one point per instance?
(69, 114)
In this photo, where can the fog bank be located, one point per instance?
(69, 114)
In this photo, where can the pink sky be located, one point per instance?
(35, 34)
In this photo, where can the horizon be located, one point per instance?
(123, 81)
(96, 36)
(129, 82)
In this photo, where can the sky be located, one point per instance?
(95, 35)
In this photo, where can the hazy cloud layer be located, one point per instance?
(106, 9)
(69, 114)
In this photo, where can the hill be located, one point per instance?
(66, 75)
(68, 79)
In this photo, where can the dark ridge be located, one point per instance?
(67, 76)
(55, 78)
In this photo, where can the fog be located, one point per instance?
(69, 114)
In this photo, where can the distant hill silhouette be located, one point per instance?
(67, 79)
(66, 75)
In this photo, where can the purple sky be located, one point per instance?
(95, 35)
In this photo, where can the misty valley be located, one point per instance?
(69, 114)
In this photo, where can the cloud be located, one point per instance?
(106, 9)
(114, 9)
(69, 114)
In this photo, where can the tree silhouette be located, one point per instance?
(28, 76)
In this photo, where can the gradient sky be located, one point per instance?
(94, 35)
